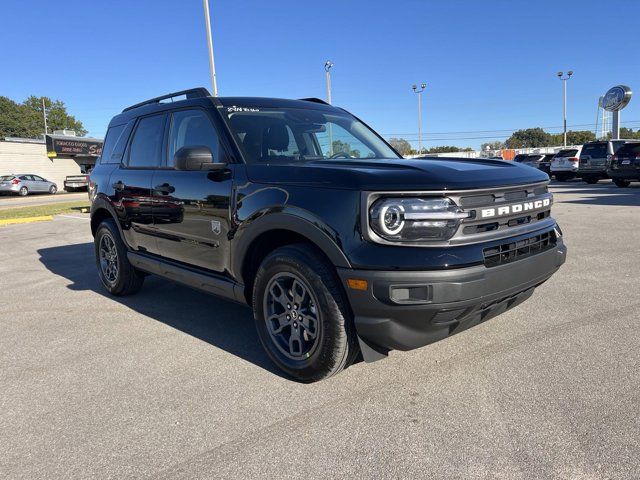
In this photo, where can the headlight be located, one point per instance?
(415, 219)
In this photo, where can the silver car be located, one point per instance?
(26, 183)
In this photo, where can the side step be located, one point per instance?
(210, 283)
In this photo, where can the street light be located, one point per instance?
(327, 67)
(212, 65)
(419, 92)
(564, 100)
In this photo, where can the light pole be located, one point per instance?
(564, 100)
(212, 65)
(327, 69)
(419, 92)
(44, 114)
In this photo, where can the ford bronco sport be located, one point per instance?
(300, 210)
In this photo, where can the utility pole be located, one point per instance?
(327, 69)
(212, 65)
(44, 115)
(564, 101)
(419, 92)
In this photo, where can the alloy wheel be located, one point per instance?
(109, 259)
(292, 316)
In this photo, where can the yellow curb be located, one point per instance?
(12, 221)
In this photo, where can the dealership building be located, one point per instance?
(55, 157)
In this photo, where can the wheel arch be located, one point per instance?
(273, 231)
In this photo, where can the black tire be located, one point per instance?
(621, 183)
(591, 180)
(335, 344)
(124, 279)
(561, 177)
(23, 192)
(53, 189)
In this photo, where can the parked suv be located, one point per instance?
(595, 158)
(565, 164)
(301, 211)
(625, 164)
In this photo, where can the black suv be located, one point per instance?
(301, 211)
(595, 159)
(624, 166)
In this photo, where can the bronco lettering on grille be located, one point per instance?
(516, 208)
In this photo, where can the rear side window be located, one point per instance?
(191, 128)
(6, 178)
(594, 150)
(146, 147)
(567, 152)
(113, 134)
(629, 150)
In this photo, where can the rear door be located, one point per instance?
(131, 182)
(191, 209)
(27, 181)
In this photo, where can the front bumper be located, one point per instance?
(451, 300)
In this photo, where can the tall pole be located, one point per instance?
(327, 70)
(212, 65)
(564, 102)
(419, 92)
(44, 115)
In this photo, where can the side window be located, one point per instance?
(27, 178)
(37, 178)
(146, 147)
(190, 128)
(110, 142)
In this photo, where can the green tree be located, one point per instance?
(577, 137)
(12, 119)
(447, 148)
(528, 138)
(629, 134)
(340, 146)
(497, 145)
(57, 116)
(402, 146)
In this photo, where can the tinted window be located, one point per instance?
(548, 157)
(146, 146)
(568, 152)
(628, 150)
(521, 157)
(190, 128)
(617, 145)
(38, 179)
(594, 150)
(6, 178)
(26, 177)
(110, 142)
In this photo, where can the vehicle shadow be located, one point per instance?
(604, 193)
(223, 324)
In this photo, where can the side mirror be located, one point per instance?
(195, 158)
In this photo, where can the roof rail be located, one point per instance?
(199, 92)
(315, 100)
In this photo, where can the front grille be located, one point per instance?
(513, 251)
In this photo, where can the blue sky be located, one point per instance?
(489, 65)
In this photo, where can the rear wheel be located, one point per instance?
(301, 314)
(561, 177)
(23, 192)
(591, 180)
(117, 274)
(621, 183)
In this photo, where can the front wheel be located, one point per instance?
(117, 274)
(591, 180)
(561, 177)
(301, 314)
(621, 183)
(53, 189)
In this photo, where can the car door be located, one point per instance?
(191, 209)
(40, 183)
(27, 181)
(131, 183)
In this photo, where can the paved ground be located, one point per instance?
(7, 201)
(173, 384)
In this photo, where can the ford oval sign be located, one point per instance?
(616, 98)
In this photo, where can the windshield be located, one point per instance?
(286, 135)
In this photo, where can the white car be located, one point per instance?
(565, 164)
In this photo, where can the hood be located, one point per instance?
(397, 174)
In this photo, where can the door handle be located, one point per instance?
(165, 189)
(119, 186)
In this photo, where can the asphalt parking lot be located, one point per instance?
(173, 383)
